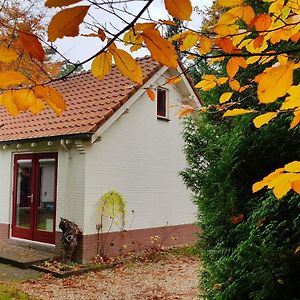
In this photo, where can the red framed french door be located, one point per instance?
(34, 197)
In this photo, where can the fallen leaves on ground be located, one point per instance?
(173, 277)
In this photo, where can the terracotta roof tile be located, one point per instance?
(90, 102)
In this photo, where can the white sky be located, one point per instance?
(81, 48)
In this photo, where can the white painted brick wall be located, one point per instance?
(140, 157)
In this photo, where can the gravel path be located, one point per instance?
(174, 277)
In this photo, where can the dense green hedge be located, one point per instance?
(248, 242)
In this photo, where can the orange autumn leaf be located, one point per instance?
(52, 97)
(60, 3)
(296, 188)
(66, 22)
(11, 78)
(225, 44)
(186, 110)
(234, 84)
(262, 22)
(205, 45)
(234, 64)
(173, 80)
(258, 41)
(161, 49)
(101, 65)
(296, 120)
(32, 45)
(180, 9)
(264, 119)
(280, 76)
(127, 65)
(150, 94)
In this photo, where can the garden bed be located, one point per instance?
(63, 270)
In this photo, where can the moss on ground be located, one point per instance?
(8, 292)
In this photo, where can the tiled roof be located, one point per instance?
(90, 102)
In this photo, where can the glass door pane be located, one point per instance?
(46, 194)
(24, 193)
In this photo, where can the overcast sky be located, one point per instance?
(78, 49)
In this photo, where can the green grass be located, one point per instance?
(8, 293)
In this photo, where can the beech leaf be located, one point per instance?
(32, 45)
(161, 49)
(127, 65)
(60, 3)
(225, 97)
(150, 94)
(52, 97)
(237, 112)
(180, 9)
(7, 55)
(101, 65)
(264, 119)
(66, 22)
(10, 78)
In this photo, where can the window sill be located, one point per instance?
(163, 119)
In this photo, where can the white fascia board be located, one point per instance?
(125, 107)
(188, 85)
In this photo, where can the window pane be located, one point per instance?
(24, 194)
(161, 103)
(46, 195)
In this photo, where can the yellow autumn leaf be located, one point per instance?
(186, 110)
(11, 78)
(282, 189)
(7, 55)
(264, 119)
(293, 100)
(101, 65)
(207, 83)
(280, 77)
(23, 99)
(293, 167)
(32, 45)
(237, 112)
(189, 41)
(225, 30)
(127, 65)
(161, 49)
(180, 9)
(60, 3)
(225, 97)
(7, 100)
(150, 94)
(230, 3)
(66, 22)
(52, 97)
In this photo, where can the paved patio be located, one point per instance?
(9, 273)
(22, 257)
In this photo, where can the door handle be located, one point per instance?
(31, 198)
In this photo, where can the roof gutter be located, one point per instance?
(85, 136)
